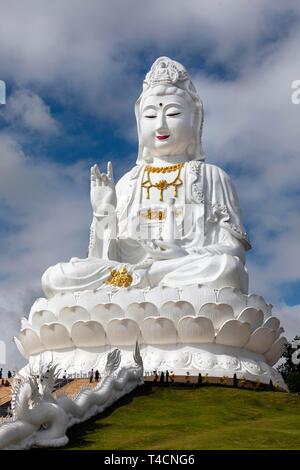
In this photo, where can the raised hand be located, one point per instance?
(103, 191)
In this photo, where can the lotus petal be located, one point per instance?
(269, 309)
(88, 334)
(39, 304)
(276, 351)
(125, 297)
(40, 317)
(122, 332)
(25, 323)
(104, 313)
(59, 301)
(140, 311)
(90, 299)
(20, 347)
(30, 341)
(160, 295)
(273, 323)
(258, 302)
(197, 295)
(159, 330)
(176, 310)
(279, 332)
(55, 336)
(233, 297)
(261, 340)
(218, 313)
(195, 330)
(234, 333)
(69, 315)
(252, 316)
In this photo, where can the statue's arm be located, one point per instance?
(223, 221)
(102, 236)
(227, 244)
(104, 224)
(107, 203)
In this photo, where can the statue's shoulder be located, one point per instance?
(207, 181)
(215, 175)
(213, 170)
(126, 178)
(126, 182)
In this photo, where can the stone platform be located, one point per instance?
(193, 329)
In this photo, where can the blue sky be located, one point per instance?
(73, 71)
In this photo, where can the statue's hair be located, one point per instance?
(162, 90)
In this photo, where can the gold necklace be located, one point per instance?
(161, 185)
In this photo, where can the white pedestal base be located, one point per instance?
(194, 329)
(211, 359)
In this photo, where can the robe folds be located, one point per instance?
(209, 228)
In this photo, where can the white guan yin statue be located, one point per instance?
(166, 261)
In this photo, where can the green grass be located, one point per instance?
(187, 418)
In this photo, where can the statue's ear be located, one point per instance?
(191, 150)
(198, 153)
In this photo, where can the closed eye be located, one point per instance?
(150, 117)
(173, 114)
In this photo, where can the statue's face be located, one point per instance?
(166, 126)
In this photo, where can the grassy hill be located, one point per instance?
(194, 418)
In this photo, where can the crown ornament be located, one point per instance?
(165, 71)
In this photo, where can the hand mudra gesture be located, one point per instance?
(103, 191)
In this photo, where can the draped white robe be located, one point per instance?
(210, 231)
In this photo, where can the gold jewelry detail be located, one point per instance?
(152, 214)
(161, 185)
(158, 214)
(120, 278)
(164, 169)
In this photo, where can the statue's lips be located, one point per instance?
(162, 137)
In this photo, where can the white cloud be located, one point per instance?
(26, 109)
(290, 320)
(92, 49)
(252, 124)
(91, 55)
(42, 204)
(45, 216)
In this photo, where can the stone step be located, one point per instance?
(5, 394)
(73, 387)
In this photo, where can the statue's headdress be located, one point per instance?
(168, 72)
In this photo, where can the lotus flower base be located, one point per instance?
(195, 329)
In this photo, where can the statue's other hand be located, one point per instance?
(160, 249)
(103, 191)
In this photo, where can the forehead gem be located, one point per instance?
(160, 104)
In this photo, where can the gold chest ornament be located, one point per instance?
(162, 184)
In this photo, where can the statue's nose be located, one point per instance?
(161, 124)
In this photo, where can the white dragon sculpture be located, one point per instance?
(40, 420)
